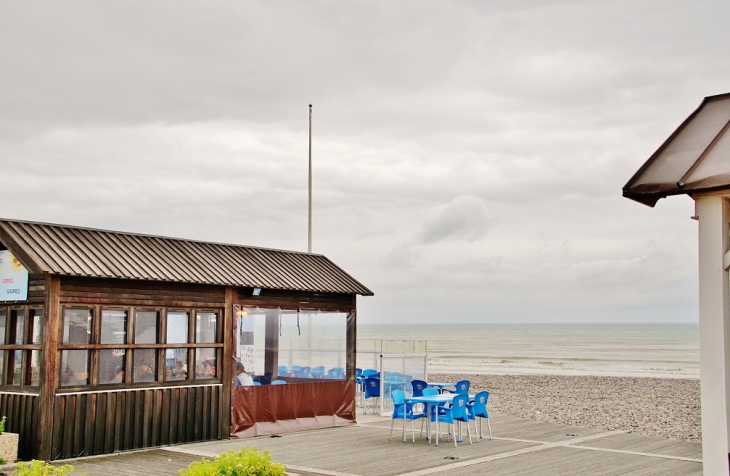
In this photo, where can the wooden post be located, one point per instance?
(351, 343)
(271, 346)
(49, 368)
(713, 213)
(227, 365)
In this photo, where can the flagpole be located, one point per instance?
(309, 248)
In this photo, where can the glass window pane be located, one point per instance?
(145, 365)
(205, 327)
(3, 319)
(113, 327)
(19, 317)
(111, 366)
(145, 327)
(205, 363)
(77, 326)
(177, 327)
(74, 368)
(176, 361)
(37, 323)
(31, 374)
(16, 361)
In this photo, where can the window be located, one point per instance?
(177, 327)
(74, 368)
(145, 327)
(20, 327)
(77, 326)
(163, 345)
(290, 345)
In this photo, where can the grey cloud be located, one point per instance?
(465, 218)
(190, 119)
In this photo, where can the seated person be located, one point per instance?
(179, 372)
(143, 373)
(242, 378)
(209, 369)
(200, 371)
(69, 377)
(118, 376)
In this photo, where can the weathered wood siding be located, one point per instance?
(297, 299)
(36, 289)
(22, 412)
(103, 422)
(139, 293)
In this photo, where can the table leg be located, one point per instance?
(405, 406)
(428, 421)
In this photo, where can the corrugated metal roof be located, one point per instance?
(695, 158)
(74, 251)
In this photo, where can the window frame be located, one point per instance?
(161, 346)
(6, 382)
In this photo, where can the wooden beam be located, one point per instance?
(227, 364)
(49, 368)
(714, 236)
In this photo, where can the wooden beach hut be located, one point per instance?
(113, 341)
(695, 160)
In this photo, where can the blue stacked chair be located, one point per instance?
(372, 390)
(399, 408)
(457, 412)
(479, 409)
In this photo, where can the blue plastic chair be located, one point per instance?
(358, 372)
(296, 370)
(283, 370)
(479, 409)
(457, 412)
(318, 372)
(306, 372)
(256, 384)
(400, 406)
(418, 387)
(369, 372)
(278, 382)
(430, 392)
(372, 390)
(462, 388)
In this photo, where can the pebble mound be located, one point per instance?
(669, 408)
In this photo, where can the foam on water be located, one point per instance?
(657, 350)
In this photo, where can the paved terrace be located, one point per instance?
(520, 447)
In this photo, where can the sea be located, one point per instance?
(638, 350)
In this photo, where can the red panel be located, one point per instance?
(269, 409)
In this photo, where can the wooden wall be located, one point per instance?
(36, 289)
(22, 412)
(297, 299)
(139, 293)
(103, 422)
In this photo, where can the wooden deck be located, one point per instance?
(520, 447)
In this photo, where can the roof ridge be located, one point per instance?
(163, 237)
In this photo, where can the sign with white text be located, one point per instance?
(13, 278)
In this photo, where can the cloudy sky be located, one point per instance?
(468, 156)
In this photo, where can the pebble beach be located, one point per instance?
(665, 407)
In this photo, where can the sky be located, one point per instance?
(468, 156)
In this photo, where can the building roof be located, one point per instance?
(74, 251)
(695, 158)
